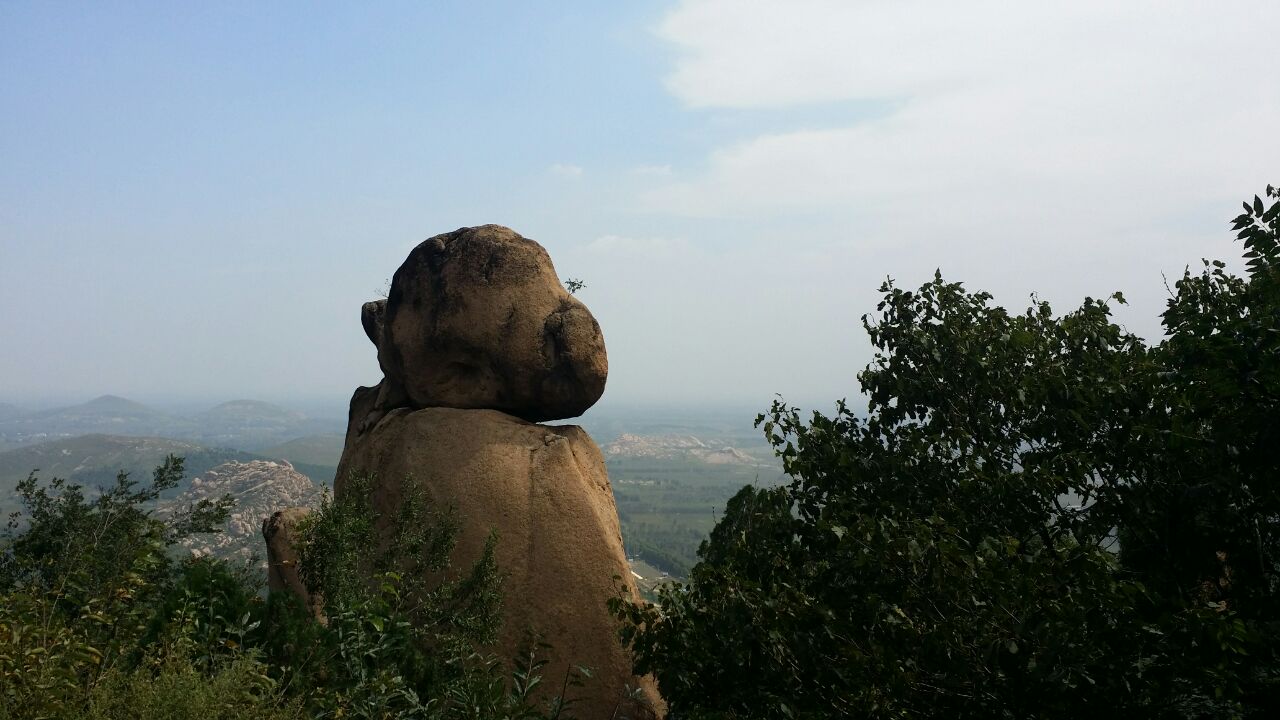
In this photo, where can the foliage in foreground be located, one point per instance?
(99, 620)
(1039, 516)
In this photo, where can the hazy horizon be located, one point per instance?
(196, 199)
(336, 408)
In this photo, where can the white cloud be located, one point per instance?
(762, 53)
(1044, 120)
(565, 170)
(1066, 148)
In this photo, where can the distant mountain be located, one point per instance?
(115, 405)
(242, 424)
(249, 411)
(106, 414)
(94, 460)
(253, 425)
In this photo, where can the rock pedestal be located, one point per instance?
(546, 492)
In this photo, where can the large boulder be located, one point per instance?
(477, 318)
(546, 492)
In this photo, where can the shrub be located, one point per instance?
(98, 620)
(81, 580)
(177, 690)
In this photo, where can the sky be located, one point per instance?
(196, 198)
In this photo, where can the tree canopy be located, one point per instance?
(1038, 515)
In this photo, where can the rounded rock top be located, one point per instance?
(478, 318)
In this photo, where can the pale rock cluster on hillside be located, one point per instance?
(670, 447)
(259, 487)
(478, 343)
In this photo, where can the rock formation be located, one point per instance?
(258, 487)
(478, 341)
(477, 318)
(282, 557)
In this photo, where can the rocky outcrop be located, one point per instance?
(478, 341)
(280, 532)
(477, 318)
(259, 488)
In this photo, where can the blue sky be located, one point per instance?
(195, 198)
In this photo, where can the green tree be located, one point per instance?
(1037, 516)
(1204, 525)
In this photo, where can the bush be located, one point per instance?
(176, 690)
(98, 620)
(403, 628)
(399, 633)
(80, 583)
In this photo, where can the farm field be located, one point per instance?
(667, 506)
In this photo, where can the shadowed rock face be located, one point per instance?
(477, 318)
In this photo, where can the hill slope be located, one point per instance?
(94, 460)
(251, 425)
